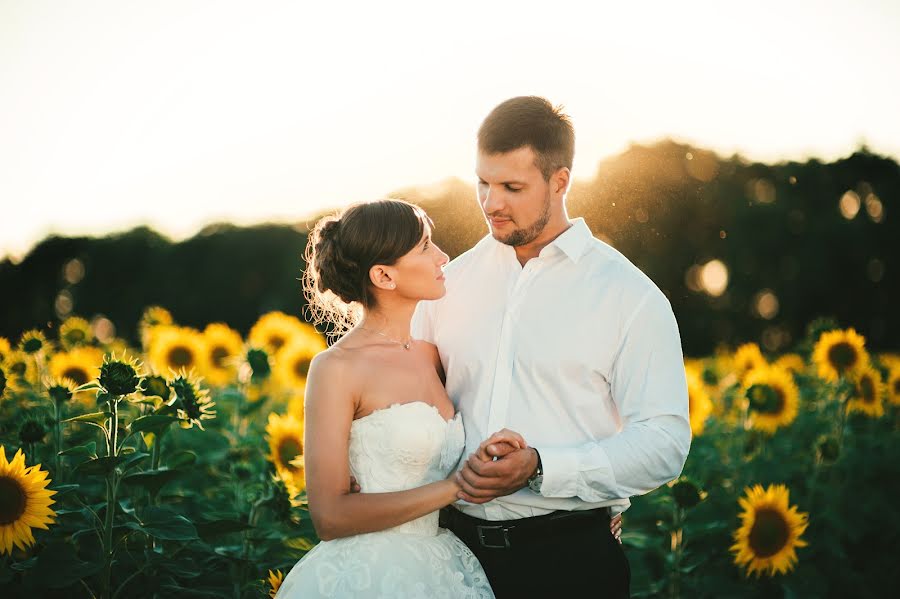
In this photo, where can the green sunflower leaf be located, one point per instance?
(181, 458)
(165, 524)
(99, 466)
(151, 480)
(95, 418)
(153, 423)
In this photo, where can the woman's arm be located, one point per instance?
(336, 512)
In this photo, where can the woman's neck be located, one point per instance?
(390, 321)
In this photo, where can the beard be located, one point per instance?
(530, 233)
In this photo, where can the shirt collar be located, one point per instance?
(573, 242)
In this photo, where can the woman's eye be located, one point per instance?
(425, 246)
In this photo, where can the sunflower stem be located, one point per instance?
(57, 440)
(677, 549)
(111, 487)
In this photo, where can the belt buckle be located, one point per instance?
(504, 530)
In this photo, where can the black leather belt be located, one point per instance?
(504, 534)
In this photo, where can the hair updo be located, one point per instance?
(341, 250)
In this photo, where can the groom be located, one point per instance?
(548, 333)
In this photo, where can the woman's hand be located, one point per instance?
(615, 527)
(500, 444)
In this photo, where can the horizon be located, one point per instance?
(308, 217)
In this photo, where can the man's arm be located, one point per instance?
(648, 386)
(649, 389)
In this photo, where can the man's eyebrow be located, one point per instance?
(510, 182)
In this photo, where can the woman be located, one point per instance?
(376, 410)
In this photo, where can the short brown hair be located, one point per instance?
(530, 121)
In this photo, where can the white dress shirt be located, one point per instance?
(579, 352)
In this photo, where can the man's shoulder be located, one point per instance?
(618, 272)
(469, 256)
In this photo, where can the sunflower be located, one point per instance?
(154, 316)
(295, 406)
(173, 348)
(75, 331)
(772, 397)
(285, 446)
(2, 382)
(191, 401)
(274, 330)
(770, 531)
(699, 404)
(4, 349)
(292, 363)
(275, 580)
(32, 342)
(24, 501)
(867, 394)
(792, 363)
(21, 370)
(80, 365)
(839, 353)
(746, 358)
(223, 346)
(893, 385)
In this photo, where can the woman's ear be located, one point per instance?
(381, 277)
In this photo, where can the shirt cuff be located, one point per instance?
(583, 472)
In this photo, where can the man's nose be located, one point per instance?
(491, 201)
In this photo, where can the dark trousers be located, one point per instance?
(558, 556)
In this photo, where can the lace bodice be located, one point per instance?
(402, 447)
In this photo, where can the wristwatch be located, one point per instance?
(534, 483)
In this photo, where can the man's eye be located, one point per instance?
(513, 189)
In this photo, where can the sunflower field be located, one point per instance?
(175, 469)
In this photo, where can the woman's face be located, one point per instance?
(419, 273)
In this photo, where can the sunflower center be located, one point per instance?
(710, 377)
(76, 374)
(180, 356)
(770, 533)
(867, 390)
(301, 367)
(75, 336)
(276, 341)
(842, 356)
(289, 449)
(12, 500)
(765, 399)
(218, 355)
(18, 368)
(32, 345)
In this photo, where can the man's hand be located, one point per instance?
(502, 465)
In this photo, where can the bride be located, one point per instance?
(376, 410)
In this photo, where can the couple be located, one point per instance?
(495, 413)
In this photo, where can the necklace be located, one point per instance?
(392, 340)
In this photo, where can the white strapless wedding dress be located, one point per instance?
(395, 449)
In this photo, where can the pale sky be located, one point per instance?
(176, 114)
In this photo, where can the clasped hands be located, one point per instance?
(502, 465)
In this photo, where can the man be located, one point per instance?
(547, 334)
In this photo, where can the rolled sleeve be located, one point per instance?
(649, 389)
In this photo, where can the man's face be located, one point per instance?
(513, 195)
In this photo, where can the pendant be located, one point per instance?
(406, 345)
